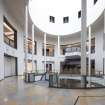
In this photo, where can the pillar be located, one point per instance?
(1, 42)
(58, 45)
(89, 57)
(104, 46)
(83, 42)
(33, 47)
(44, 52)
(104, 21)
(26, 35)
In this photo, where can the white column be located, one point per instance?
(104, 46)
(26, 36)
(33, 47)
(104, 21)
(57, 62)
(1, 42)
(58, 45)
(89, 57)
(83, 42)
(44, 52)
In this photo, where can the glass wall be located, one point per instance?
(30, 46)
(10, 34)
(74, 81)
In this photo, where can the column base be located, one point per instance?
(83, 81)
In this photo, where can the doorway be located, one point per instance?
(49, 67)
(10, 66)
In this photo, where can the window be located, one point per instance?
(66, 20)
(10, 34)
(49, 50)
(52, 19)
(93, 45)
(30, 46)
(29, 66)
(95, 1)
(79, 14)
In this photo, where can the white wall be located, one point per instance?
(99, 50)
(9, 66)
(1, 43)
(4, 48)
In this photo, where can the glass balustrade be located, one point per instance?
(71, 81)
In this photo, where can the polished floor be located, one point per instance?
(13, 91)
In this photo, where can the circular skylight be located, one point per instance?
(41, 12)
(63, 17)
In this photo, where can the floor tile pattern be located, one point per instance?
(14, 91)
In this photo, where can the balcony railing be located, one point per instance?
(76, 50)
(74, 81)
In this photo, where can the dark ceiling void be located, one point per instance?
(95, 1)
(66, 19)
(52, 19)
(79, 14)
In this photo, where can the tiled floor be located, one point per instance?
(13, 91)
(91, 100)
